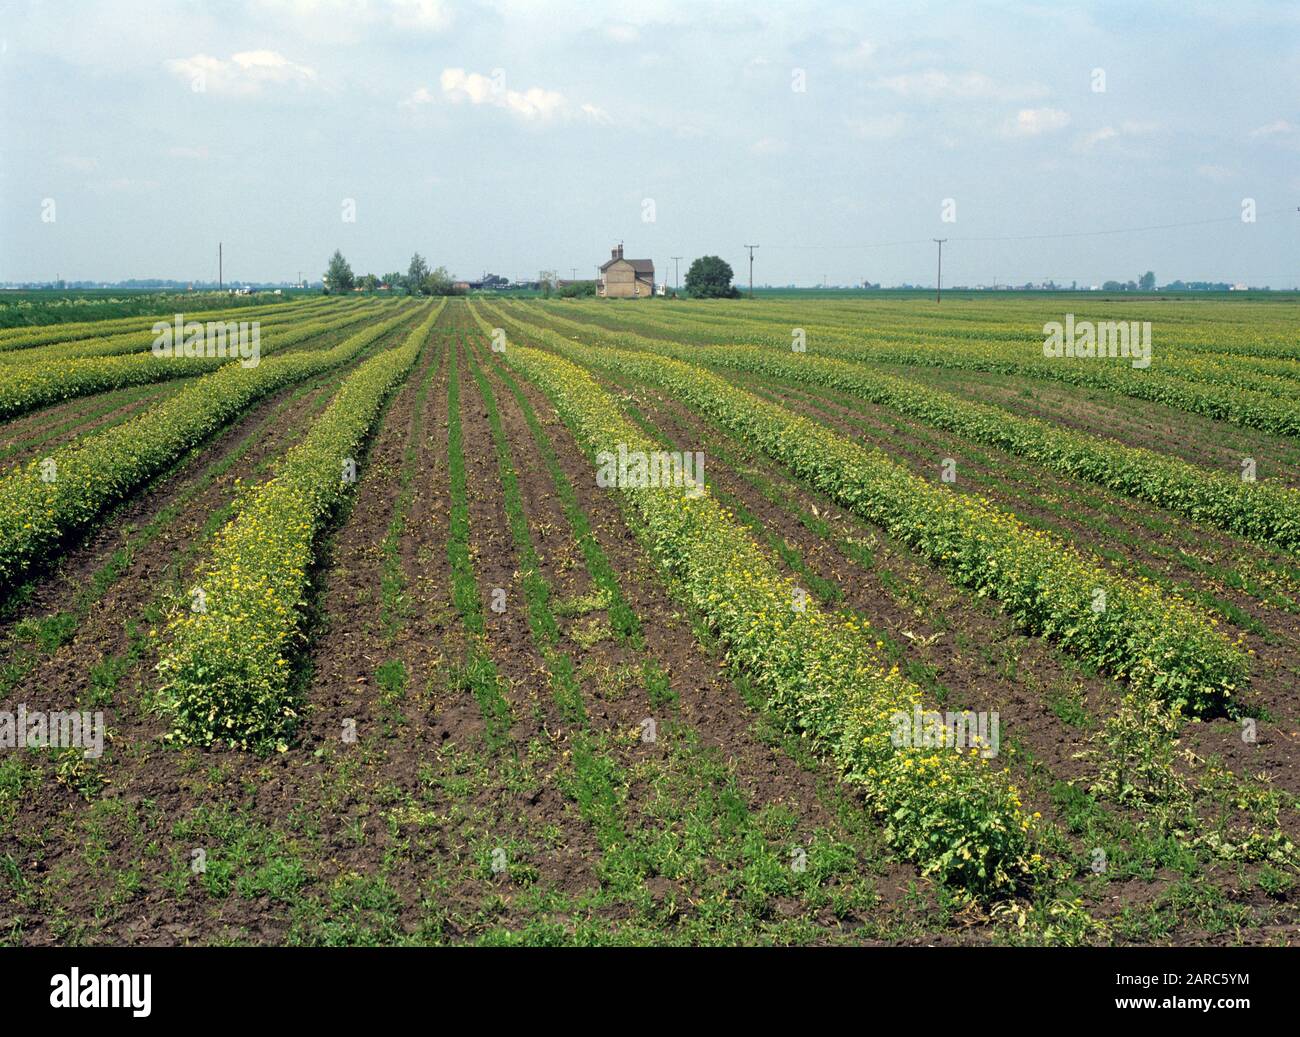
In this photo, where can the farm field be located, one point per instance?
(387, 655)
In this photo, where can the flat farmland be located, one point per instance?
(795, 620)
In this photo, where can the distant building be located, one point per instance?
(625, 278)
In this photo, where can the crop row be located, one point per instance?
(138, 341)
(1125, 627)
(1009, 326)
(36, 335)
(1213, 389)
(950, 811)
(26, 388)
(481, 675)
(225, 673)
(1262, 511)
(44, 500)
(1239, 404)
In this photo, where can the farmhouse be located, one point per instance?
(625, 278)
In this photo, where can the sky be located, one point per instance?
(515, 137)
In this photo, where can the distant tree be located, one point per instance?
(369, 282)
(710, 278)
(1147, 281)
(547, 280)
(438, 282)
(416, 274)
(1112, 286)
(577, 289)
(339, 278)
(393, 280)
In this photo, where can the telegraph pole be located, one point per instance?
(938, 290)
(675, 260)
(220, 281)
(751, 269)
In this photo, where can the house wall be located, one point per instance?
(621, 282)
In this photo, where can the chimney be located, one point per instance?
(617, 251)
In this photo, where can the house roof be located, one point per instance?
(640, 266)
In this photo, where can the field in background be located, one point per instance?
(20, 308)
(484, 696)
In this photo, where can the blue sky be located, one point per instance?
(513, 137)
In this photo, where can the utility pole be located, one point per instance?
(575, 272)
(751, 269)
(938, 290)
(220, 280)
(675, 260)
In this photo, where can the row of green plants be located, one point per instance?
(46, 499)
(1268, 512)
(1187, 330)
(953, 812)
(542, 624)
(139, 340)
(225, 674)
(1126, 627)
(1226, 392)
(480, 673)
(1251, 407)
(27, 387)
(212, 308)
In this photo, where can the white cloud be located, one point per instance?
(1098, 136)
(244, 74)
(420, 15)
(1281, 128)
(535, 104)
(1127, 128)
(421, 96)
(1030, 122)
